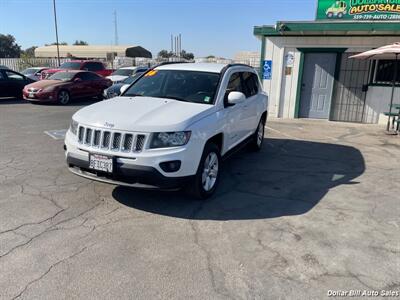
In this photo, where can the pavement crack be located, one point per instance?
(48, 271)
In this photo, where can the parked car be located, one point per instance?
(85, 65)
(115, 89)
(64, 86)
(170, 128)
(123, 73)
(34, 73)
(12, 83)
(3, 67)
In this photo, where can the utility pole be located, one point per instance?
(180, 45)
(115, 28)
(55, 25)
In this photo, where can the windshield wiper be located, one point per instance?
(133, 95)
(175, 98)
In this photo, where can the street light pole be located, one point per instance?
(55, 25)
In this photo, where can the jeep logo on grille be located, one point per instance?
(109, 125)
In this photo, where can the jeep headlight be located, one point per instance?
(73, 127)
(169, 139)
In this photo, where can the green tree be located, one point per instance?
(80, 43)
(165, 54)
(8, 47)
(29, 52)
(184, 54)
(187, 55)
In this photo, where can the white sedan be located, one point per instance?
(123, 73)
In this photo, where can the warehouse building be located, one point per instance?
(92, 52)
(307, 72)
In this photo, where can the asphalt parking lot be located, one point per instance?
(317, 210)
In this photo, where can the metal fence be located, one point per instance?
(350, 94)
(19, 64)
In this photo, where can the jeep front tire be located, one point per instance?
(207, 177)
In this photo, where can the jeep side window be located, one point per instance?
(234, 84)
(250, 84)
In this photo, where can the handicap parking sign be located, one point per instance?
(267, 69)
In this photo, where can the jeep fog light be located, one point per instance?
(170, 166)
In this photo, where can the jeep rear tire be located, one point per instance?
(257, 139)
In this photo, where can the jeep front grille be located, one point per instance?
(111, 140)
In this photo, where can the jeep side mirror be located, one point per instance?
(236, 98)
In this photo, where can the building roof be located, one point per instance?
(92, 51)
(328, 28)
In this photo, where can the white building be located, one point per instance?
(92, 51)
(307, 73)
(251, 58)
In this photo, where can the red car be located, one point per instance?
(63, 86)
(85, 65)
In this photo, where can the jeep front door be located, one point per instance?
(234, 113)
(250, 115)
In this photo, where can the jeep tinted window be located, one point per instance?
(234, 84)
(250, 84)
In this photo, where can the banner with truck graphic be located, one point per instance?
(373, 10)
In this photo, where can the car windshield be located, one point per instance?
(71, 66)
(63, 76)
(29, 71)
(188, 86)
(123, 72)
(131, 79)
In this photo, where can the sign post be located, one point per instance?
(267, 70)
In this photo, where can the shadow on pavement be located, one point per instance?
(12, 101)
(288, 177)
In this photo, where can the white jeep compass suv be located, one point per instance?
(169, 128)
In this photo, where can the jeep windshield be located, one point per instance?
(187, 86)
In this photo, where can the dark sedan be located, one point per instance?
(12, 83)
(64, 86)
(115, 89)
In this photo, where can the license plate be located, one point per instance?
(31, 95)
(101, 163)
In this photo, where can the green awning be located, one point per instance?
(326, 28)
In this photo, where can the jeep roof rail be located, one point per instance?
(238, 65)
(168, 63)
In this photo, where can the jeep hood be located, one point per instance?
(143, 114)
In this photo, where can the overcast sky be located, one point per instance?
(218, 27)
